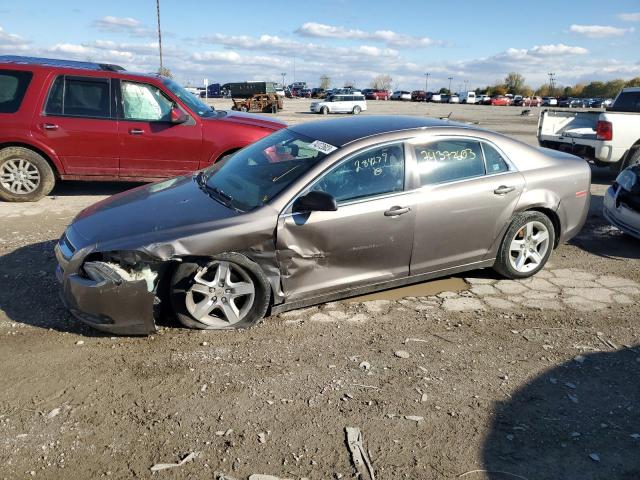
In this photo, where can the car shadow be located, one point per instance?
(577, 421)
(29, 293)
(71, 188)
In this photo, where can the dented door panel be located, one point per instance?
(323, 252)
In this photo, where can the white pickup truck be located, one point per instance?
(609, 137)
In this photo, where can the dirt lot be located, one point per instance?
(538, 379)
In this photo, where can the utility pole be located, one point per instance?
(450, 78)
(466, 82)
(283, 75)
(294, 69)
(552, 83)
(159, 34)
(426, 82)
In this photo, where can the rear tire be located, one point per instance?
(526, 246)
(634, 159)
(356, 110)
(324, 110)
(25, 176)
(205, 297)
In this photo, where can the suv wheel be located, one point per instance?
(356, 110)
(324, 110)
(25, 176)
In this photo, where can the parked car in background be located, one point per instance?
(622, 201)
(500, 100)
(304, 93)
(375, 94)
(59, 121)
(484, 99)
(549, 101)
(609, 137)
(241, 238)
(418, 96)
(436, 98)
(401, 95)
(532, 102)
(468, 97)
(454, 98)
(444, 98)
(563, 102)
(340, 103)
(318, 93)
(579, 103)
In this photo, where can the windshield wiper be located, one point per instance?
(215, 193)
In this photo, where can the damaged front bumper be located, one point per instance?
(117, 305)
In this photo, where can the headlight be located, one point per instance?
(628, 180)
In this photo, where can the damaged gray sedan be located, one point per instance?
(317, 212)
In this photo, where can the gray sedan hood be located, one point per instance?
(149, 210)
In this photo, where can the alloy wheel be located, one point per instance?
(529, 247)
(221, 295)
(19, 176)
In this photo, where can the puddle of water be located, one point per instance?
(424, 289)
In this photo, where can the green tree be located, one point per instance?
(613, 87)
(634, 82)
(514, 82)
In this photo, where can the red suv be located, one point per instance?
(65, 120)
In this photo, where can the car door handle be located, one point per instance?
(503, 190)
(136, 131)
(50, 126)
(395, 211)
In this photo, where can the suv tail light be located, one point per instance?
(604, 130)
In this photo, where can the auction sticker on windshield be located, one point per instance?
(322, 147)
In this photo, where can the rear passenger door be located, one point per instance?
(468, 192)
(78, 122)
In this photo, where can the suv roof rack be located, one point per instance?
(53, 62)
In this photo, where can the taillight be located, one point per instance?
(604, 130)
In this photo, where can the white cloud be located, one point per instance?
(630, 17)
(558, 49)
(126, 25)
(10, 42)
(321, 30)
(599, 31)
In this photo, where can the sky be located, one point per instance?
(475, 43)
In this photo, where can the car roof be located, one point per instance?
(340, 132)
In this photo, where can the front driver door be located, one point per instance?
(367, 240)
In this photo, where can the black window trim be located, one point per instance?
(109, 80)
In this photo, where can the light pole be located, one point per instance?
(283, 75)
(466, 82)
(159, 34)
(552, 83)
(450, 78)
(426, 82)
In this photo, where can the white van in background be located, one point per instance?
(468, 97)
(340, 103)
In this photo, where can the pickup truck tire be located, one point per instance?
(224, 292)
(526, 246)
(634, 158)
(25, 176)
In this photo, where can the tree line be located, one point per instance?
(514, 83)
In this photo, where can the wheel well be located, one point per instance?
(35, 149)
(553, 216)
(228, 152)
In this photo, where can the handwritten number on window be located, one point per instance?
(447, 155)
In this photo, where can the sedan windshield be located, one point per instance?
(202, 109)
(257, 173)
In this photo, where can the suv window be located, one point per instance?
(145, 102)
(449, 160)
(80, 97)
(494, 160)
(13, 86)
(627, 102)
(374, 172)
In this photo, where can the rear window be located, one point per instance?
(80, 97)
(627, 102)
(13, 86)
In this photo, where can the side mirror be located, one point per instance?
(315, 202)
(178, 115)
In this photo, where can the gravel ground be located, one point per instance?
(534, 379)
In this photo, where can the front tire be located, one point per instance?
(356, 110)
(25, 176)
(227, 292)
(526, 246)
(324, 110)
